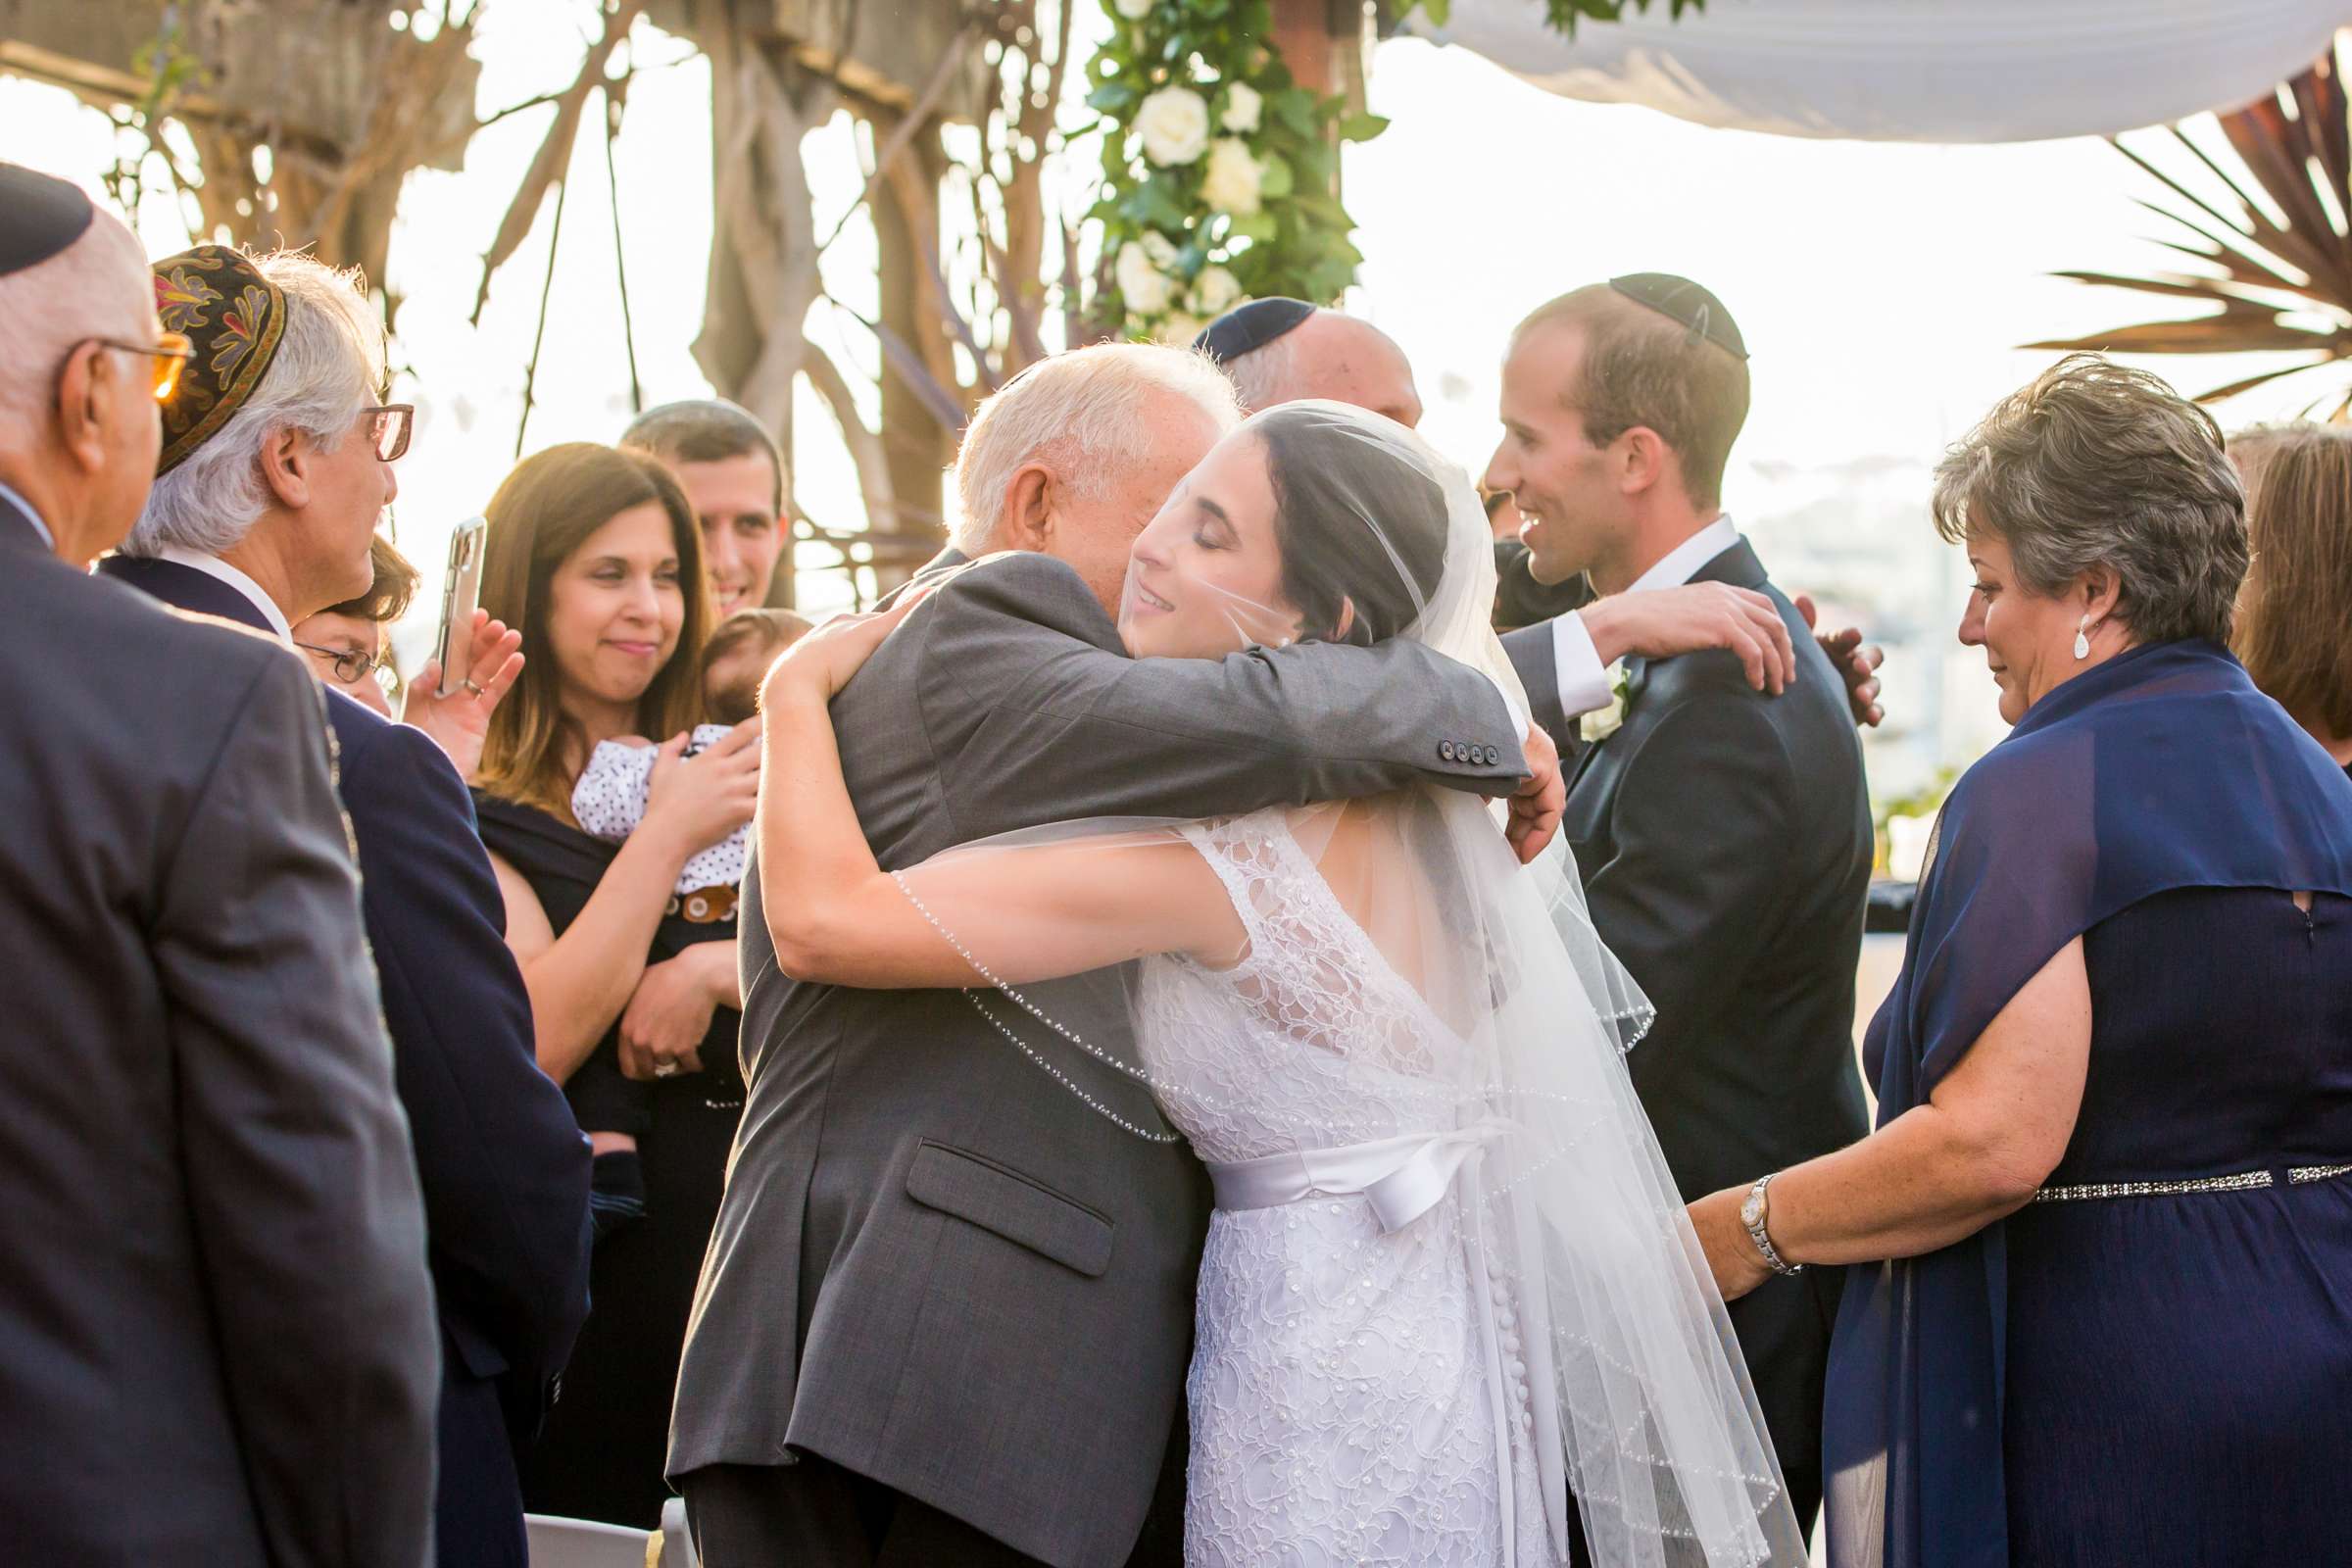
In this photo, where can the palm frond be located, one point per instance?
(2274, 253)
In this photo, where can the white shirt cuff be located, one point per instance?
(1575, 665)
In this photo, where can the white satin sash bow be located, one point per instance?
(1400, 1179)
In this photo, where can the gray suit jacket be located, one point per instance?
(934, 1265)
(217, 1335)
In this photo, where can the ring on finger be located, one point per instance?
(472, 685)
(666, 1069)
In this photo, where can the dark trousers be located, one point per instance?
(815, 1514)
(1784, 1328)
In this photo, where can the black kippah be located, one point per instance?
(39, 216)
(1250, 327)
(1685, 302)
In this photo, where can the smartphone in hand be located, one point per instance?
(460, 594)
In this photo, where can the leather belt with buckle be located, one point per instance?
(705, 906)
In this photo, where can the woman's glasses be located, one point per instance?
(169, 357)
(388, 427)
(355, 664)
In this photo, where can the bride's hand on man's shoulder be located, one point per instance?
(820, 663)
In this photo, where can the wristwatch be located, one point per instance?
(1752, 1214)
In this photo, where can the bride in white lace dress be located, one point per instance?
(1447, 1284)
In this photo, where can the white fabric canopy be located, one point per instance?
(1939, 70)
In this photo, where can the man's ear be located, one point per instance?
(286, 461)
(1338, 634)
(1027, 521)
(1646, 461)
(83, 393)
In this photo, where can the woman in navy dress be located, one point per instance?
(2099, 1302)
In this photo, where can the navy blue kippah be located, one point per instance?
(1684, 301)
(1250, 327)
(39, 216)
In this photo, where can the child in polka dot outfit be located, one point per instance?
(608, 802)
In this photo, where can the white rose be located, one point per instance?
(1232, 181)
(1243, 105)
(1133, 10)
(1215, 291)
(1142, 285)
(1602, 723)
(1160, 248)
(1174, 125)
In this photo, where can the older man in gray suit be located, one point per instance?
(217, 1339)
(948, 1306)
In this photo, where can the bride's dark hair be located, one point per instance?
(1357, 526)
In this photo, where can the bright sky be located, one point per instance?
(1880, 287)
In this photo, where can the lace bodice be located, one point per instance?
(1344, 1380)
(1312, 1040)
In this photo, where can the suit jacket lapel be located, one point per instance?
(1636, 671)
(1736, 567)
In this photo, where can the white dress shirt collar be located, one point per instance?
(1584, 686)
(215, 566)
(1676, 566)
(48, 539)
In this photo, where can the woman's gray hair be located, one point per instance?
(2093, 467)
(1084, 411)
(328, 366)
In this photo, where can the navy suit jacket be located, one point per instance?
(504, 1169)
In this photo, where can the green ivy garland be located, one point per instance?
(1220, 169)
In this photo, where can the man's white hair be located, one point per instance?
(98, 287)
(1268, 375)
(1085, 412)
(328, 366)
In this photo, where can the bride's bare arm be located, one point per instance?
(1025, 913)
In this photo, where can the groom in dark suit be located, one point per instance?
(1722, 836)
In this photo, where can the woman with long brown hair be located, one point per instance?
(596, 555)
(2294, 614)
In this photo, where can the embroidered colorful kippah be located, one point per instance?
(235, 317)
(1684, 301)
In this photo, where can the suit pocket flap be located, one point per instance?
(1011, 1204)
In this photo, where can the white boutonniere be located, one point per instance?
(1603, 723)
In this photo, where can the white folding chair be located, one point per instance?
(585, 1543)
(678, 1545)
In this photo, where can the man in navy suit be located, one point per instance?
(275, 468)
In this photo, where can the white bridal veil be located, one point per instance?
(1517, 1059)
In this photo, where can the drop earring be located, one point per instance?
(2083, 638)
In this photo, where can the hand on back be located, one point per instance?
(700, 800)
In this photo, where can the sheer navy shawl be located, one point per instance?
(2162, 768)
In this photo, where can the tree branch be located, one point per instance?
(554, 150)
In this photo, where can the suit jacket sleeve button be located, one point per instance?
(1446, 751)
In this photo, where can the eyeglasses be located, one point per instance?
(389, 424)
(170, 355)
(355, 664)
